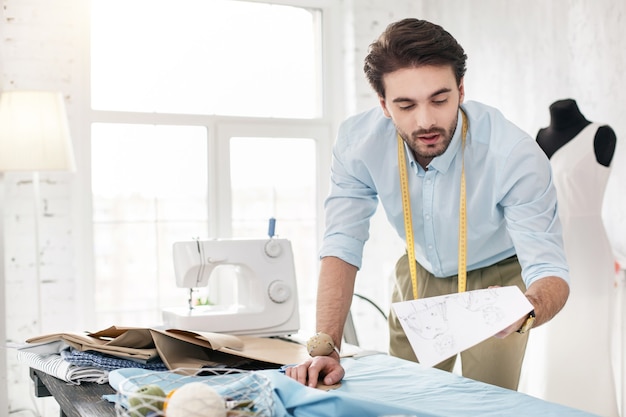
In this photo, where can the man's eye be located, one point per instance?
(407, 107)
(440, 102)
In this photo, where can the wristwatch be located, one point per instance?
(528, 324)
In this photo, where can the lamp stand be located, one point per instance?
(4, 395)
(36, 218)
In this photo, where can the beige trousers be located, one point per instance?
(494, 361)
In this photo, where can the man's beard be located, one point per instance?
(421, 150)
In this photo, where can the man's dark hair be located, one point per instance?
(412, 43)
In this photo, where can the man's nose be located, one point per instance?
(425, 118)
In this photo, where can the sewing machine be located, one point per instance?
(254, 279)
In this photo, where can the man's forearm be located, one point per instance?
(548, 296)
(334, 296)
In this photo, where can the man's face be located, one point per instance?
(423, 103)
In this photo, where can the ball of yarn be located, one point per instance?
(147, 399)
(320, 344)
(196, 399)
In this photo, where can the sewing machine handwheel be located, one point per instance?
(279, 291)
(273, 248)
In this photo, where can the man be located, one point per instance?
(513, 235)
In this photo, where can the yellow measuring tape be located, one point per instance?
(408, 221)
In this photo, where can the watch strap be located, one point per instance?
(528, 324)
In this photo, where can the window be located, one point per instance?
(206, 57)
(148, 190)
(199, 109)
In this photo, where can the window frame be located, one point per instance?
(219, 131)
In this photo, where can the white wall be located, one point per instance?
(523, 55)
(41, 46)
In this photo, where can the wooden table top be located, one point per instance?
(84, 400)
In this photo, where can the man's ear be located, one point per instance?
(461, 90)
(383, 104)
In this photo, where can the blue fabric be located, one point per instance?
(381, 385)
(426, 391)
(107, 362)
(511, 200)
(298, 400)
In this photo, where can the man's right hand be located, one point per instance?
(324, 369)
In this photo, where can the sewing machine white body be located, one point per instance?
(262, 275)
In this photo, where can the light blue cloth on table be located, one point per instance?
(381, 385)
(425, 391)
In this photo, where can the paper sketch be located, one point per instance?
(440, 327)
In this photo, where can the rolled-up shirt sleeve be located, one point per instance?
(351, 203)
(531, 213)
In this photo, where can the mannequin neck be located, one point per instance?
(565, 115)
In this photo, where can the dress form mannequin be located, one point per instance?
(570, 357)
(566, 121)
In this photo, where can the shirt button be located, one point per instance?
(427, 217)
(430, 247)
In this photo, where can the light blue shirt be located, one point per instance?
(511, 200)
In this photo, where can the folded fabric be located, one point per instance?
(128, 342)
(56, 366)
(108, 362)
(44, 349)
(181, 348)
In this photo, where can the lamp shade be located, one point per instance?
(34, 132)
